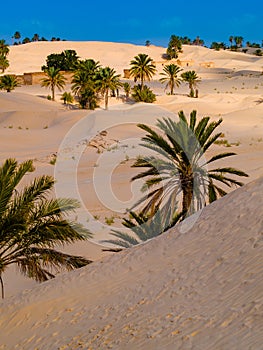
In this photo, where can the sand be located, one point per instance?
(196, 290)
(202, 289)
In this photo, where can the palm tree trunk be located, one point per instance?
(172, 88)
(106, 98)
(2, 287)
(142, 82)
(187, 188)
(53, 92)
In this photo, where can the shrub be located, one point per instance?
(143, 95)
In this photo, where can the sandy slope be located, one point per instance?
(119, 55)
(196, 290)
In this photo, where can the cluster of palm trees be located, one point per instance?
(178, 179)
(171, 78)
(237, 39)
(143, 68)
(4, 51)
(89, 82)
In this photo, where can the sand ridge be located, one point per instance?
(203, 290)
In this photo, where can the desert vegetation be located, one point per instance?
(178, 181)
(32, 225)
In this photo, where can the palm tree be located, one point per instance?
(35, 37)
(142, 228)
(171, 76)
(127, 89)
(17, 35)
(238, 40)
(4, 64)
(174, 47)
(54, 79)
(178, 167)
(192, 79)
(84, 83)
(142, 68)
(231, 38)
(8, 83)
(32, 225)
(4, 49)
(67, 98)
(107, 80)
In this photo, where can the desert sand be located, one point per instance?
(201, 289)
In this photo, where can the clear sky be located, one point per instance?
(133, 21)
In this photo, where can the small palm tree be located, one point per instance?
(4, 49)
(178, 168)
(127, 89)
(54, 80)
(142, 68)
(84, 83)
(8, 83)
(144, 94)
(67, 98)
(4, 64)
(142, 228)
(107, 80)
(192, 79)
(170, 74)
(32, 225)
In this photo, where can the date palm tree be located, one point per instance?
(178, 168)
(192, 79)
(32, 225)
(67, 98)
(170, 76)
(8, 83)
(54, 80)
(142, 228)
(4, 49)
(142, 68)
(107, 80)
(4, 64)
(127, 89)
(84, 83)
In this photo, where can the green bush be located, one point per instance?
(144, 94)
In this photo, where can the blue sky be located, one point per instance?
(134, 21)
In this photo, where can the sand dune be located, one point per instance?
(119, 55)
(200, 290)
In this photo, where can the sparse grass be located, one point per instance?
(222, 142)
(45, 127)
(10, 127)
(96, 217)
(127, 158)
(109, 221)
(20, 128)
